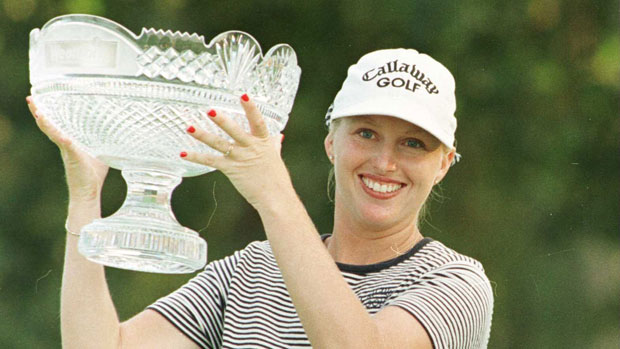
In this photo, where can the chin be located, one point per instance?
(378, 220)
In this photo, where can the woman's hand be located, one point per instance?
(85, 174)
(252, 162)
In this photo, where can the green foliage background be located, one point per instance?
(535, 198)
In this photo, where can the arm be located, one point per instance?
(88, 316)
(87, 313)
(330, 312)
(86, 309)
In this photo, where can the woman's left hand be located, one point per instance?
(252, 161)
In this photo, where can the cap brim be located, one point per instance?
(415, 113)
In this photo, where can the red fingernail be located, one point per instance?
(191, 129)
(245, 97)
(183, 154)
(282, 140)
(212, 113)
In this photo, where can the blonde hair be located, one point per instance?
(331, 177)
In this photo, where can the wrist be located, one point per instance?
(72, 231)
(89, 194)
(81, 202)
(75, 223)
(282, 199)
(81, 212)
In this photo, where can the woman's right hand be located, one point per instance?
(85, 174)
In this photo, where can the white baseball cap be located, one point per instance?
(402, 83)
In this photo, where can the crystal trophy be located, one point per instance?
(127, 100)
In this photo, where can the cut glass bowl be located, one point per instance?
(127, 100)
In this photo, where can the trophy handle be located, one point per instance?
(144, 234)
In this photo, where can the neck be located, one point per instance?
(359, 244)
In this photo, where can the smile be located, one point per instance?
(379, 186)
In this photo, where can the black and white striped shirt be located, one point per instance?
(241, 301)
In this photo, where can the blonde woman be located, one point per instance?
(374, 282)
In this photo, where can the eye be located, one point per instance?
(366, 133)
(414, 143)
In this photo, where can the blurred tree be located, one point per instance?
(535, 199)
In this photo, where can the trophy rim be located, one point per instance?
(121, 29)
(166, 56)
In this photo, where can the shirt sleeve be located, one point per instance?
(197, 308)
(454, 303)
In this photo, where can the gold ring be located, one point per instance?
(230, 148)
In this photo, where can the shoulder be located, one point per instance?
(444, 265)
(432, 259)
(437, 255)
(258, 251)
(252, 249)
(255, 253)
(452, 294)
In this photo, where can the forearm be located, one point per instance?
(332, 315)
(88, 316)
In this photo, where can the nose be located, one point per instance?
(384, 159)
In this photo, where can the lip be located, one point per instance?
(377, 195)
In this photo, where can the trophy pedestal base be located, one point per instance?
(143, 234)
(143, 247)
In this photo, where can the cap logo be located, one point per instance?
(398, 67)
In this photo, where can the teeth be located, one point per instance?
(381, 188)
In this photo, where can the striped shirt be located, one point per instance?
(241, 301)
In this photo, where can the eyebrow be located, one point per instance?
(416, 130)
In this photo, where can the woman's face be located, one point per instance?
(385, 168)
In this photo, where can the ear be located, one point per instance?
(329, 146)
(446, 163)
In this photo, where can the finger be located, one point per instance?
(255, 118)
(214, 141)
(203, 159)
(229, 126)
(31, 106)
(278, 139)
(51, 131)
(45, 125)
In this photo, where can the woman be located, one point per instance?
(375, 282)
